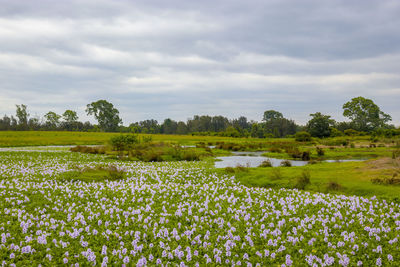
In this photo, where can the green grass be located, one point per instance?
(354, 178)
(46, 138)
(99, 174)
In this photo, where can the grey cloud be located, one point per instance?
(158, 59)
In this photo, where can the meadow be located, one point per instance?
(61, 208)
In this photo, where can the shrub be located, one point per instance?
(333, 186)
(351, 132)
(275, 150)
(266, 163)
(395, 153)
(320, 151)
(123, 142)
(229, 169)
(305, 155)
(302, 136)
(294, 152)
(303, 180)
(286, 163)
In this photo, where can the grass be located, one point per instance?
(46, 138)
(97, 174)
(350, 178)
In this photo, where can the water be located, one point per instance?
(254, 159)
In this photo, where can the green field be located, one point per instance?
(46, 138)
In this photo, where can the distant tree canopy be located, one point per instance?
(106, 115)
(320, 125)
(365, 115)
(276, 125)
(270, 115)
(52, 119)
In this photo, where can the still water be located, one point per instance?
(254, 159)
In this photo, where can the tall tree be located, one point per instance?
(22, 115)
(106, 115)
(365, 114)
(320, 125)
(270, 115)
(169, 126)
(70, 116)
(52, 119)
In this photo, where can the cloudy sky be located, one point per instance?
(159, 59)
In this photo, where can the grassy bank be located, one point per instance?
(350, 178)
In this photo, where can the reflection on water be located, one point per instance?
(254, 159)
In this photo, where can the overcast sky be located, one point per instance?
(159, 59)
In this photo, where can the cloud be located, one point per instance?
(158, 59)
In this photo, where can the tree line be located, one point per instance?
(365, 117)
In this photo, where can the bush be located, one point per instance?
(305, 155)
(266, 163)
(275, 150)
(294, 152)
(351, 132)
(333, 186)
(302, 136)
(396, 154)
(286, 163)
(123, 142)
(303, 180)
(320, 152)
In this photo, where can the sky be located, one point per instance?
(176, 59)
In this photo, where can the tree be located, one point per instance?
(70, 116)
(52, 119)
(106, 115)
(365, 114)
(22, 115)
(181, 128)
(169, 126)
(270, 115)
(320, 125)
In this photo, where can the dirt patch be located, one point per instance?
(383, 164)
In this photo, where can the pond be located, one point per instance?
(254, 159)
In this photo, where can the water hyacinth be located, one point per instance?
(180, 213)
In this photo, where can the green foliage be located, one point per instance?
(365, 114)
(286, 163)
(320, 151)
(320, 125)
(333, 186)
(123, 142)
(266, 163)
(335, 132)
(351, 132)
(270, 115)
(70, 116)
(96, 174)
(106, 115)
(22, 115)
(303, 180)
(52, 119)
(303, 137)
